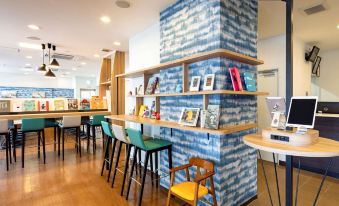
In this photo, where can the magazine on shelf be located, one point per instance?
(96, 102)
(152, 84)
(16, 105)
(59, 104)
(5, 105)
(28, 105)
(250, 81)
(72, 104)
(43, 105)
(212, 117)
(85, 104)
(235, 78)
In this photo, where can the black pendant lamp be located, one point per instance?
(42, 67)
(49, 73)
(54, 64)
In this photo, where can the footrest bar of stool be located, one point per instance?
(136, 181)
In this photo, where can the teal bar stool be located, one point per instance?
(53, 123)
(92, 125)
(4, 131)
(33, 126)
(149, 147)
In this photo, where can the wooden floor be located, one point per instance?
(77, 181)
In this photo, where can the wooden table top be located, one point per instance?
(53, 114)
(323, 148)
(175, 125)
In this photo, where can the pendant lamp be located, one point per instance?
(54, 64)
(42, 67)
(49, 73)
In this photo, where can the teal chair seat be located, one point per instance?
(32, 125)
(92, 124)
(153, 144)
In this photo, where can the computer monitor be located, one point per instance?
(302, 112)
(276, 104)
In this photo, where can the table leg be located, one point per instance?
(322, 181)
(289, 180)
(276, 177)
(265, 176)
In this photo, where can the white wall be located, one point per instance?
(326, 85)
(37, 80)
(84, 83)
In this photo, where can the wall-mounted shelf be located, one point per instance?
(230, 92)
(174, 125)
(194, 58)
(106, 83)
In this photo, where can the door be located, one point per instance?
(268, 81)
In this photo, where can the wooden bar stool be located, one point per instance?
(4, 131)
(192, 191)
(149, 147)
(69, 123)
(36, 126)
(92, 125)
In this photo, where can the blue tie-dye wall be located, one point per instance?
(26, 92)
(193, 26)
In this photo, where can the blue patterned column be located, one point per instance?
(193, 26)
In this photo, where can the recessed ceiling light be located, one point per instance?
(26, 69)
(35, 38)
(83, 63)
(74, 69)
(67, 72)
(33, 27)
(116, 43)
(338, 26)
(105, 19)
(96, 55)
(29, 45)
(122, 4)
(26, 73)
(28, 64)
(29, 57)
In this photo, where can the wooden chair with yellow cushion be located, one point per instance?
(189, 191)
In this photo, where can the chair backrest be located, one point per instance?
(97, 119)
(4, 126)
(135, 137)
(71, 121)
(207, 166)
(120, 133)
(32, 124)
(107, 129)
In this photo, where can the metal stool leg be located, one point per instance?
(39, 141)
(44, 145)
(131, 173)
(9, 147)
(116, 163)
(111, 160)
(322, 181)
(264, 172)
(129, 147)
(147, 155)
(7, 144)
(23, 151)
(105, 155)
(276, 178)
(152, 170)
(156, 170)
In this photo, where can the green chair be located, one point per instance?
(108, 159)
(92, 125)
(149, 147)
(33, 126)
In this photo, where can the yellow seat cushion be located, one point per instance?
(185, 190)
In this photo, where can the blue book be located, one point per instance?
(250, 82)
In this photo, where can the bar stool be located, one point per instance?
(110, 137)
(149, 147)
(52, 123)
(4, 131)
(192, 191)
(92, 125)
(29, 126)
(69, 123)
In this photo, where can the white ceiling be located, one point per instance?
(320, 29)
(74, 26)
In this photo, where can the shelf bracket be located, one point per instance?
(171, 132)
(208, 136)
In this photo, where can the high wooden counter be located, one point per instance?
(53, 114)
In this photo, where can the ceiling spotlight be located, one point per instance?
(74, 69)
(338, 26)
(122, 4)
(27, 64)
(83, 63)
(116, 43)
(26, 73)
(96, 55)
(29, 57)
(29, 45)
(105, 19)
(33, 27)
(27, 69)
(35, 38)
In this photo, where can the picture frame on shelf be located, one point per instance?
(209, 82)
(212, 117)
(189, 116)
(195, 84)
(235, 78)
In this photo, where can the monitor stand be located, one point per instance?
(301, 130)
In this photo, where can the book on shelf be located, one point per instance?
(235, 78)
(59, 104)
(43, 105)
(16, 105)
(151, 86)
(5, 105)
(212, 117)
(28, 105)
(250, 81)
(72, 104)
(96, 102)
(85, 104)
(142, 110)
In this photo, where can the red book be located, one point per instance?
(235, 78)
(43, 106)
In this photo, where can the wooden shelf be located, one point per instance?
(198, 57)
(230, 92)
(175, 125)
(106, 83)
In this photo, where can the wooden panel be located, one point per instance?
(323, 148)
(105, 76)
(174, 125)
(230, 92)
(195, 58)
(52, 115)
(205, 101)
(157, 104)
(185, 78)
